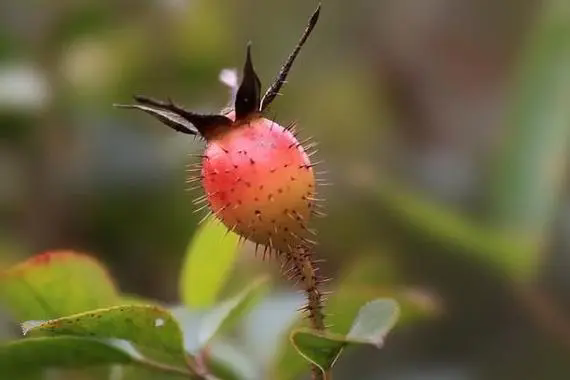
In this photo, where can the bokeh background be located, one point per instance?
(443, 125)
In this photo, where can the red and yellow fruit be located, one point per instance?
(257, 177)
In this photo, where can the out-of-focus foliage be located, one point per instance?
(531, 173)
(27, 356)
(225, 315)
(209, 259)
(367, 279)
(443, 126)
(153, 336)
(55, 284)
(373, 323)
(152, 330)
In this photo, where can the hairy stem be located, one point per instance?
(305, 271)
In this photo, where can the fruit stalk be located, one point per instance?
(305, 270)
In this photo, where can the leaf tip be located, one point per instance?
(29, 325)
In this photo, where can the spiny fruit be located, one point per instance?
(260, 183)
(257, 177)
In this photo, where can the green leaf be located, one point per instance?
(320, 348)
(54, 284)
(36, 354)
(134, 372)
(374, 321)
(371, 277)
(209, 259)
(533, 165)
(152, 330)
(229, 313)
(370, 327)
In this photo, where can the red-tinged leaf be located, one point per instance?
(54, 284)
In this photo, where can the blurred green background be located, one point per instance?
(443, 124)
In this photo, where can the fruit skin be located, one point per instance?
(259, 182)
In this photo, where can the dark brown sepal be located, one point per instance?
(248, 96)
(281, 79)
(179, 119)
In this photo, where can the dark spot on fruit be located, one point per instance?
(235, 166)
(260, 187)
(293, 178)
(286, 165)
(257, 212)
(286, 229)
(251, 161)
(239, 202)
(256, 199)
(248, 184)
(280, 190)
(270, 197)
(272, 170)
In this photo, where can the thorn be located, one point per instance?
(200, 198)
(198, 202)
(200, 209)
(315, 164)
(217, 213)
(318, 214)
(291, 126)
(193, 179)
(265, 252)
(311, 242)
(311, 231)
(205, 217)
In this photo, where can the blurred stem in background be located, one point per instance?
(533, 168)
(50, 141)
(533, 165)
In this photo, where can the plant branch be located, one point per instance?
(305, 271)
